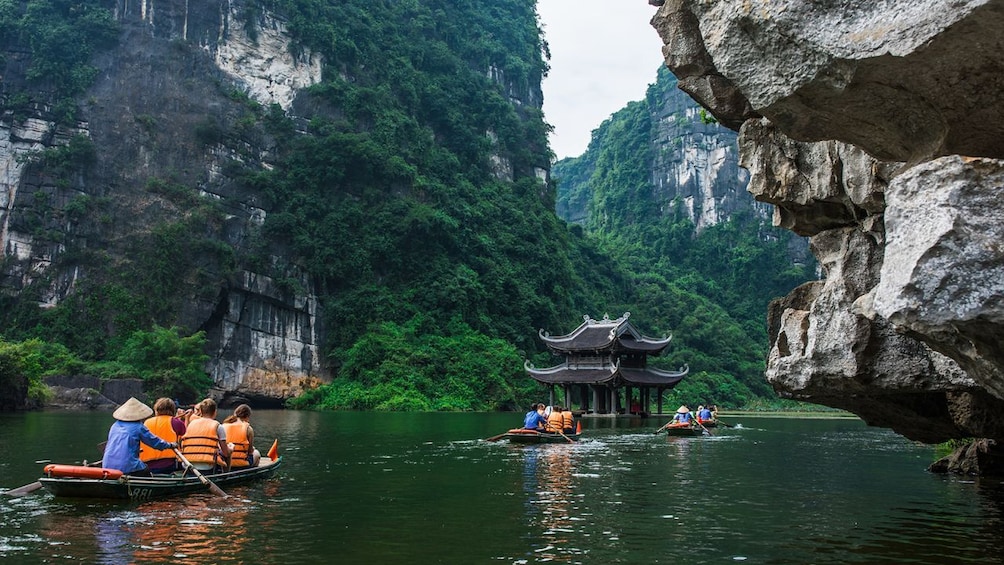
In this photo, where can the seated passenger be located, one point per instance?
(125, 437)
(167, 426)
(205, 442)
(681, 418)
(555, 422)
(704, 415)
(568, 422)
(534, 419)
(240, 435)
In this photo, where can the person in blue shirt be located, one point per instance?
(704, 414)
(125, 435)
(682, 416)
(534, 419)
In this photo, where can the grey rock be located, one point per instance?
(902, 79)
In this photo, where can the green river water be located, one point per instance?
(373, 488)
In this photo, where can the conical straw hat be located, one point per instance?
(683, 410)
(132, 411)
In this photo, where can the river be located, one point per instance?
(374, 488)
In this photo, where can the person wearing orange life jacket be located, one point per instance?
(554, 420)
(568, 421)
(240, 435)
(167, 426)
(205, 442)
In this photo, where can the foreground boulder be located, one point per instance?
(875, 129)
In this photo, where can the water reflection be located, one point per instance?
(424, 489)
(199, 528)
(549, 490)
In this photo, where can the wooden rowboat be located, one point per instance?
(684, 431)
(520, 435)
(158, 486)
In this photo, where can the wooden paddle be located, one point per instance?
(723, 423)
(662, 428)
(564, 436)
(498, 437)
(212, 486)
(32, 487)
(706, 430)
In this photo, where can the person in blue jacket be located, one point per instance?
(534, 419)
(125, 435)
(682, 416)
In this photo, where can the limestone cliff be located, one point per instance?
(159, 86)
(876, 129)
(692, 161)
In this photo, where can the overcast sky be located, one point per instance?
(604, 54)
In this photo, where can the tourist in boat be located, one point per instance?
(554, 420)
(167, 426)
(704, 415)
(205, 442)
(240, 435)
(534, 419)
(681, 418)
(125, 437)
(568, 422)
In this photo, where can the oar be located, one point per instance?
(212, 486)
(564, 436)
(496, 438)
(32, 487)
(662, 428)
(723, 423)
(703, 428)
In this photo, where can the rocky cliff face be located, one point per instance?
(694, 162)
(153, 114)
(874, 128)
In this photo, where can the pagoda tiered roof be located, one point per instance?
(605, 335)
(606, 373)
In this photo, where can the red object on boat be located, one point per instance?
(81, 472)
(273, 452)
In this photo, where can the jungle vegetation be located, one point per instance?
(413, 195)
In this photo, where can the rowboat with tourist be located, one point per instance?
(685, 424)
(77, 481)
(520, 435)
(544, 424)
(155, 456)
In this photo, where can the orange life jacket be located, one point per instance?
(201, 444)
(567, 420)
(554, 420)
(237, 434)
(161, 427)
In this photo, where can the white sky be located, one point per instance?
(604, 54)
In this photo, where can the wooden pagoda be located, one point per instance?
(605, 365)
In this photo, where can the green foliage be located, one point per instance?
(414, 367)
(24, 364)
(171, 365)
(61, 36)
(411, 198)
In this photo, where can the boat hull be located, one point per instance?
(684, 432)
(147, 488)
(530, 436)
